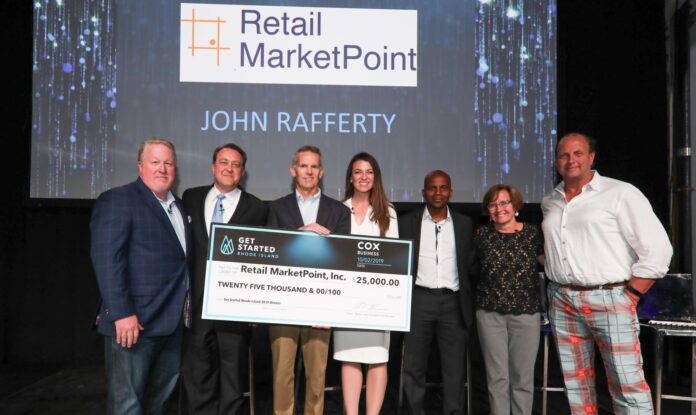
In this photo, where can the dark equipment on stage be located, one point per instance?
(670, 300)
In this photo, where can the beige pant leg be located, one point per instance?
(284, 341)
(315, 351)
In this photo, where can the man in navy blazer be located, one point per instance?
(307, 208)
(441, 305)
(140, 249)
(215, 352)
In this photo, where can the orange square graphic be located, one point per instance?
(205, 31)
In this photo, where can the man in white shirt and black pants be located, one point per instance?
(441, 308)
(604, 248)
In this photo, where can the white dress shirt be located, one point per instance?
(309, 208)
(229, 205)
(368, 227)
(437, 256)
(606, 234)
(175, 217)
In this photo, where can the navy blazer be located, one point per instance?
(285, 213)
(250, 211)
(140, 265)
(410, 228)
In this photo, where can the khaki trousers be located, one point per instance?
(315, 350)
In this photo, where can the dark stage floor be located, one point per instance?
(81, 391)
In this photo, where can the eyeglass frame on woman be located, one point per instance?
(498, 205)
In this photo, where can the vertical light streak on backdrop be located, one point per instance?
(515, 99)
(73, 132)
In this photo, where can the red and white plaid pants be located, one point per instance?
(606, 317)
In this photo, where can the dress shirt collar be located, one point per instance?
(232, 194)
(428, 216)
(314, 197)
(594, 184)
(166, 203)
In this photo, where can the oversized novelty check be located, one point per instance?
(293, 277)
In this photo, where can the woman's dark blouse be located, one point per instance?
(508, 282)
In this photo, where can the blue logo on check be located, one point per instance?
(227, 246)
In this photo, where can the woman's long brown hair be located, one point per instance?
(378, 198)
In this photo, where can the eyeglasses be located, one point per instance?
(498, 205)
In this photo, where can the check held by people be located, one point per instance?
(293, 277)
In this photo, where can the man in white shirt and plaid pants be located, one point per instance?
(604, 248)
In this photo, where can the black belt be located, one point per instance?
(436, 291)
(595, 287)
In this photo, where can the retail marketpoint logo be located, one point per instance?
(207, 32)
(227, 246)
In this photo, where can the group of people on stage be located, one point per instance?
(600, 243)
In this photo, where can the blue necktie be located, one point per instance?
(217, 212)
